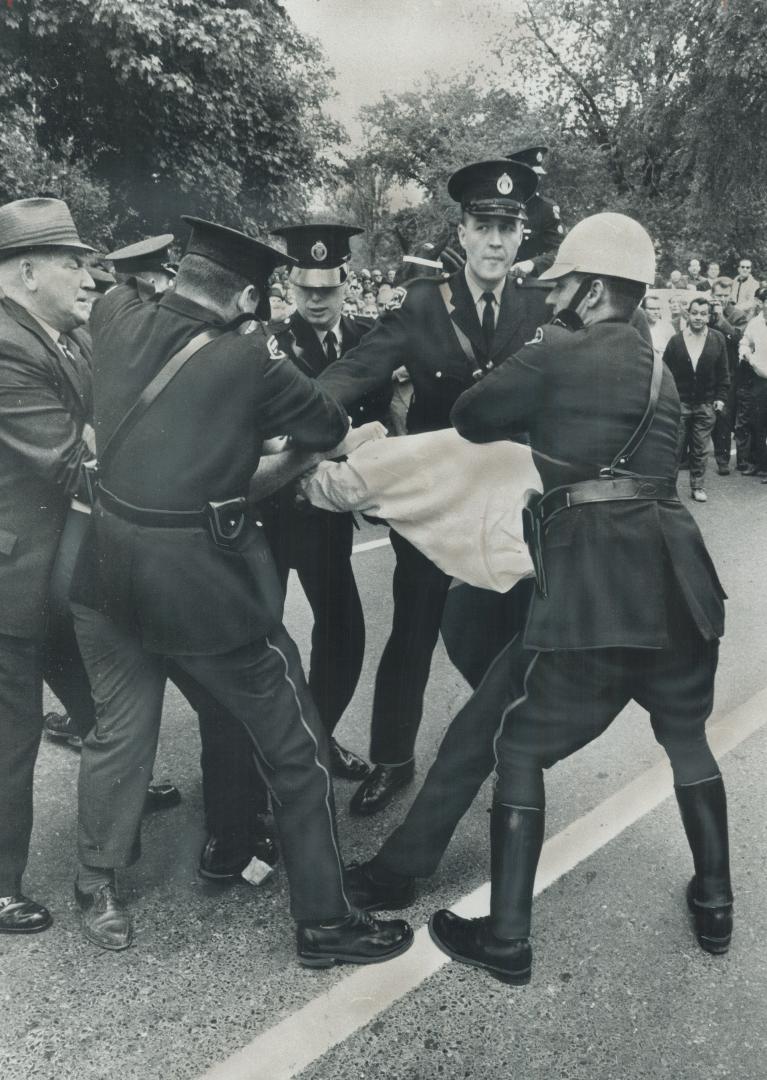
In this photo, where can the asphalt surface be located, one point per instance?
(620, 989)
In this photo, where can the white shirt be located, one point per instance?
(660, 332)
(695, 344)
(335, 331)
(753, 345)
(477, 290)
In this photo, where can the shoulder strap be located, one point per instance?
(466, 346)
(624, 456)
(151, 392)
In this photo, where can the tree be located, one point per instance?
(209, 107)
(363, 198)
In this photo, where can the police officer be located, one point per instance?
(178, 568)
(316, 543)
(627, 605)
(446, 333)
(544, 231)
(147, 260)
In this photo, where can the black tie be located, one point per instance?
(488, 322)
(330, 347)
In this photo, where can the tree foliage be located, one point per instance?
(209, 107)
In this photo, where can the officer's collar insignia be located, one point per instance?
(319, 252)
(538, 337)
(505, 184)
(275, 351)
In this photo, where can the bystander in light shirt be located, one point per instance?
(753, 345)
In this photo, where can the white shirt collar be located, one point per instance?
(50, 331)
(476, 289)
(334, 330)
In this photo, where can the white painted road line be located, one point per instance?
(293, 1044)
(369, 545)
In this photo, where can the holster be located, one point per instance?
(226, 520)
(532, 531)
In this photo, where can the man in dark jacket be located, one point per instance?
(730, 321)
(627, 605)
(697, 358)
(45, 398)
(446, 334)
(544, 230)
(179, 569)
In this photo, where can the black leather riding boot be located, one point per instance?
(516, 839)
(703, 807)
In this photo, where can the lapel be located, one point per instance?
(73, 374)
(509, 318)
(464, 313)
(307, 350)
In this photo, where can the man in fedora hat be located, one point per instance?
(179, 569)
(44, 403)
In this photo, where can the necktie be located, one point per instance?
(68, 347)
(488, 321)
(330, 347)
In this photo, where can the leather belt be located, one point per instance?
(158, 519)
(607, 489)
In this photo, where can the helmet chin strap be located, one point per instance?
(567, 316)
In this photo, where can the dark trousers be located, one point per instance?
(533, 709)
(65, 672)
(724, 423)
(21, 725)
(318, 545)
(263, 687)
(419, 589)
(744, 423)
(695, 426)
(759, 428)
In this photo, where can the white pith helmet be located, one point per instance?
(611, 244)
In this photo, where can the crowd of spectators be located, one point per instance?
(368, 293)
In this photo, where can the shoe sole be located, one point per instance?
(350, 958)
(69, 740)
(94, 940)
(30, 930)
(520, 978)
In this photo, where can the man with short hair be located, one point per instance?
(660, 330)
(695, 279)
(744, 288)
(753, 350)
(45, 401)
(446, 333)
(712, 273)
(697, 358)
(178, 568)
(730, 321)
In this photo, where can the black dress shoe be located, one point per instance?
(345, 764)
(370, 889)
(60, 727)
(713, 925)
(722, 468)
(222, 864)
(356, 939)
(471, 941)
(378, 790)
(105, 918)
(20, 915)
(162, 796)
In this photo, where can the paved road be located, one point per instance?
(620, 989)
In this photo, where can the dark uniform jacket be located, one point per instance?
(420, 335)
(45, 399)
(299, 341)
(543, 233)
(200, 441)
(710, 380)
(580, 396)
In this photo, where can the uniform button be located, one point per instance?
(439, 375)
(260, 524)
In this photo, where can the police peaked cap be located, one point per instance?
(145, 255)
(532, 156)
(251, 259)
(321, 253)
(495, 188)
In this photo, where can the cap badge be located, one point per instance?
(319, 251)
(539, 156)
(505, 184)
